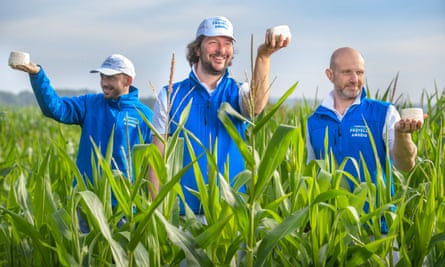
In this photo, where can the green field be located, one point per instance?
(292, 214)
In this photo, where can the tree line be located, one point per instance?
(26, 98)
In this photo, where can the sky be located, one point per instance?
(69, 38)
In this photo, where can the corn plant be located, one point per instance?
(293, 213)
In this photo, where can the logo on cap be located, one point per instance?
(220, 23)
(215, 26)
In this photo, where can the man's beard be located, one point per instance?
(208, 68)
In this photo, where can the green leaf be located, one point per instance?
(286, 227)
(25, 227)
(187, 243)
(271, 111)
(234, 134)
(96, 214)
(273, 156)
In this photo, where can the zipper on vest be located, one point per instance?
(207, 112)
(338, 134)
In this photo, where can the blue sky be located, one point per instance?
(68, 38)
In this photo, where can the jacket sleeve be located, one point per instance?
(68, 110)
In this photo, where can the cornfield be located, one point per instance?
(293, 213)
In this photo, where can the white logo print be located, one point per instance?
(359, 131)
(130, 121)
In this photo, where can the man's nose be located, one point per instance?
(354, 77)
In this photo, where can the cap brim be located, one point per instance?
(106, 71)
(222, 35)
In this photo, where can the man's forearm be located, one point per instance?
(404, 152)
(261, 86)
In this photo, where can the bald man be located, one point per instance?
(344, 117)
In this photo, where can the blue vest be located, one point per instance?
(203, 122)
(349, 137)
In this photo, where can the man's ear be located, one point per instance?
(330, 74)
(129, 80)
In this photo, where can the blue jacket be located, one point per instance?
(97, 116)
(203, 122)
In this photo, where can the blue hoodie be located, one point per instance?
(97, 116)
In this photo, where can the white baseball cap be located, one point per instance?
(116, 64)
(215, 26)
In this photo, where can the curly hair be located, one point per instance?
(192, 47)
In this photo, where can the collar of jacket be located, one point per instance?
(195, 78)
(125, 100)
